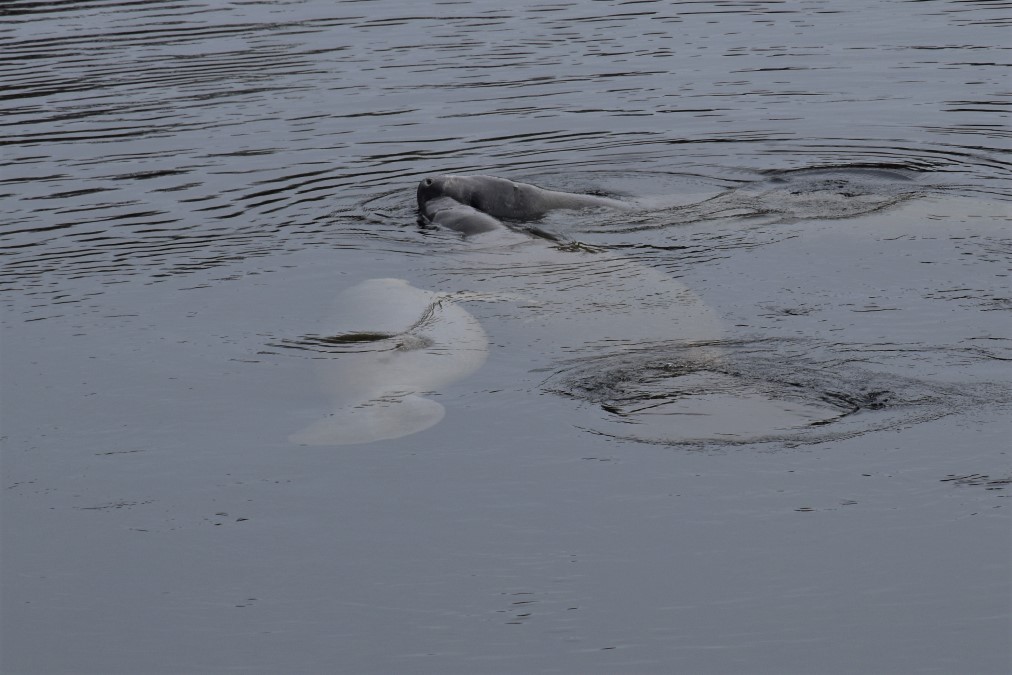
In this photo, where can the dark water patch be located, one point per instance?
(323, 346)
(979, 480)
(984, 299)
(968, 168)
(883, 173)
(830, 193)
(761, 391)
(122, 504)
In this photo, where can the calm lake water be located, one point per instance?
(759, 423)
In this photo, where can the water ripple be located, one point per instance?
(157, 138)
(743, 392)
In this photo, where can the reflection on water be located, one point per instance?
(815, 274)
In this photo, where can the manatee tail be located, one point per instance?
(375, 420)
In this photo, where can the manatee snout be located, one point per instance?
(428, 188)
(459, 188)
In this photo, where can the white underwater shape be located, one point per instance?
(379, 390)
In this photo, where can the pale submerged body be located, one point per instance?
(392, 344)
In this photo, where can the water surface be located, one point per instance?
(758, 424)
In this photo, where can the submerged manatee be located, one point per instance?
(451, 214)
(642, 355)
(473, 204)
(390, 344)
(660, 371)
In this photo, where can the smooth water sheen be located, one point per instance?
(758, 422)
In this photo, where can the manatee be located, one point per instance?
(388, 345)
(451, 214)
(481, 201)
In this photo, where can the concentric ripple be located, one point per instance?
(739, 392)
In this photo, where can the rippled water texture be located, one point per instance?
(757, 421)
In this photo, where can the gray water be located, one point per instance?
(758, 424)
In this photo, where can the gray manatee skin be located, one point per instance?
(483, 199)
(451, 214)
